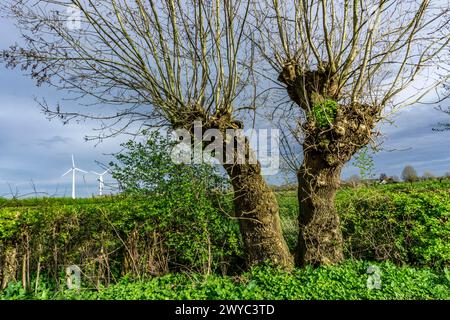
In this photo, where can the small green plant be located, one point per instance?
(364, 162)
(325, 112)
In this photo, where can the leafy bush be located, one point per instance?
(194, 212)
(148, 236)
(129, 237)
(147, 168)
(404, 223)
(346, 281)
(411, 227)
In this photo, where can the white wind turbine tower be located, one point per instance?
(101, 181)
(73, 170)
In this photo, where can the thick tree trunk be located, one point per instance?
(257, 209)
(327, 146)
(255, 204)
(320, 237)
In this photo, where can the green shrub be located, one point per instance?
(404, 223)
(193, 212)
(133, 235)
(147, 167)
(411, 227)
(142, 236)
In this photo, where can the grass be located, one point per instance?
(343, 282)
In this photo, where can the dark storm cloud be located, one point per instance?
(55, 140)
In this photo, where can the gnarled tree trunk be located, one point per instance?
(320, 237)
(257, 209)
(333, 133)
(325, 152)
(255, 204)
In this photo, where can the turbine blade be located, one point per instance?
(73, 162)
(105, 172)
(70, 170)
(76, 169)
(95, 173)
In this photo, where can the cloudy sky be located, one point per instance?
(34, 149)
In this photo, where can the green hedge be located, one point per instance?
(403, 223)
(192, 232)
(109, 239)
(346, 281)
(409, 226)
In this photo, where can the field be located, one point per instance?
(397, 246)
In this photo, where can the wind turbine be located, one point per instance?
(101, 186)
(73, 170)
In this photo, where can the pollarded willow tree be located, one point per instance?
(345, 65)
(155, 63)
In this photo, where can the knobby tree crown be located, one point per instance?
(158, 63)
(348, 64)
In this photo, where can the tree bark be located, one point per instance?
(320, 238)
(327, 146)
(257, 209)
(255, 204)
